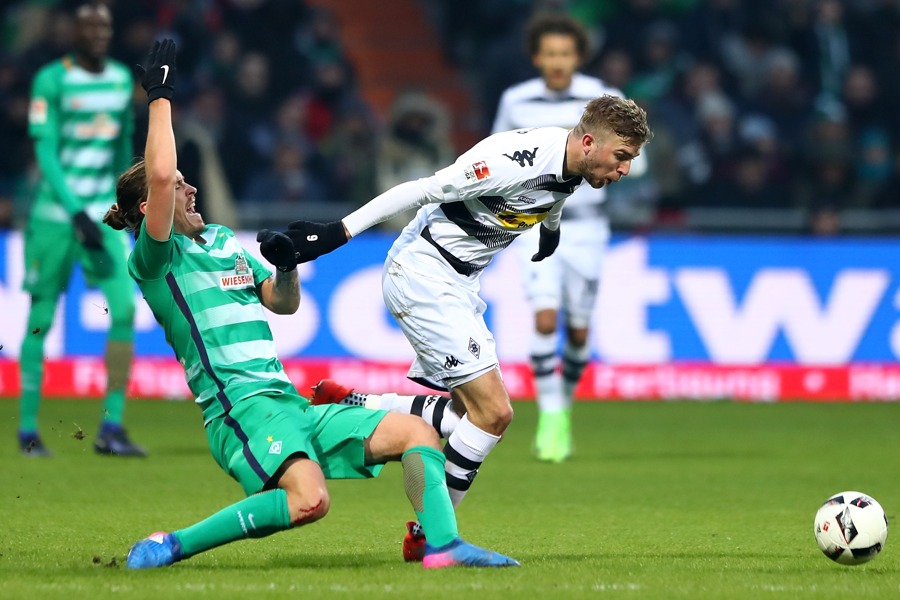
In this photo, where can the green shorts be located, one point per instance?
(260, 433)
(51, 251)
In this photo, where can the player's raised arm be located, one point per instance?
(160, 164)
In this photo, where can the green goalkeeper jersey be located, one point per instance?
(205, 297)
(87, 118)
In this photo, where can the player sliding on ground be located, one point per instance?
(208, 294)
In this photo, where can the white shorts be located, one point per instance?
(443, 318)
(569, 279)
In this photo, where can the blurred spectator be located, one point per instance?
(887, 196)
(416, 144)
(287, 180)
(348, 156)
(199, 160)
(661, 64)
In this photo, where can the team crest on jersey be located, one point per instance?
(242, 278)
(477, 172)
(240, 265)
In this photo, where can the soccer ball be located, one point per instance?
(851, 528)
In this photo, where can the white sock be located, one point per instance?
(465, 450)
(547, 379)
(575, 359)
(435, 409)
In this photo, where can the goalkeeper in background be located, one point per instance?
(81, 121)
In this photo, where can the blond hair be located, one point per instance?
(618, 115)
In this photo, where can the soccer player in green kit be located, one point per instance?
(81, 121)
(208, 295)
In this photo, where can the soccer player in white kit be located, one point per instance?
(569, 280)
(504, 186)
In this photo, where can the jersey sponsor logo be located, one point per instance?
(236, 282)
(102, 126)
(37, 111)
(523, 156)
(477, 172)
(474, 348)
(514, 220)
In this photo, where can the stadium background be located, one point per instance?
(752, 261)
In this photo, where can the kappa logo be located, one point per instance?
(527, 199)
(429, 400)
(452, 362)
(474, 348)
(523, 156)
(275, 448)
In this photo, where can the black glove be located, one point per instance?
(278, 249)
(158, 77)
(87, 231)
(312, 240)
(547, 244)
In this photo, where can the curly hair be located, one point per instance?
(619, 115)
(551, 23)
(131, 190)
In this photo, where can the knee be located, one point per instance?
(499, 417)
(545, 322)
(422, 434)
(578, 337)
(308, 505)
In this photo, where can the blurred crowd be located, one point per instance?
(770, 104)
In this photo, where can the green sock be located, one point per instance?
(31, 361)
(113, 406)
(256, 516)
(426, 488)
(118, 365)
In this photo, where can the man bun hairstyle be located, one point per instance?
(131, 190)
(554, 23)
(619, 115)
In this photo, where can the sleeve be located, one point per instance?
(151, 259)
(260, 271)
(471, 177)
(393, 202)
(43, 127)
(502, 121)
(554, 216)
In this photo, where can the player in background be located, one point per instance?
(208, 295)
(81, 121)
(567, 281)
(505, 185)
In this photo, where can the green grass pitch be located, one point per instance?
(662, 500)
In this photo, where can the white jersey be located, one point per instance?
(501, 188)
(532, 104)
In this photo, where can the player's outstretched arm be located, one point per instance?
(160, 159)
(311, 240)
(281, 292)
